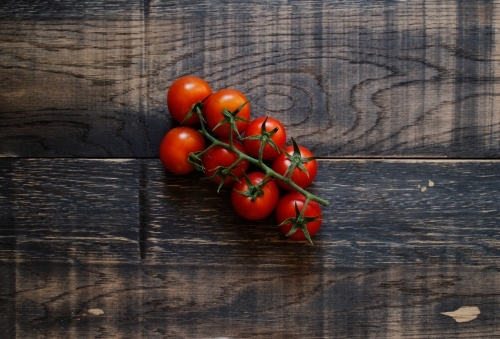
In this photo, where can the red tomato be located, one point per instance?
(255, 129)
(218, 156)
(176, 146)
(230, 100)
(300, 177)
(286, 209)
(262, 205)
(183, 94)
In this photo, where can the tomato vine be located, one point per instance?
(227, 128)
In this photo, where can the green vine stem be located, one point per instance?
(269, 172)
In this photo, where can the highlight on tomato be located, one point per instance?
(296, 163)
(176, 146)
(184, 95)
(255, 196)
(227, 113)
(222, 165)
(267, 130)
(290, 222)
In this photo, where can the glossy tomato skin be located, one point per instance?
(286, 209)
(302, 179)
(229, 99)
(176, 146)
(255, 127)
(262, 206)
(219, 156)
(183, 94)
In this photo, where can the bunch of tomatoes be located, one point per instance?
(217, 136)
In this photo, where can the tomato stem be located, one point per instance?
(269, 172)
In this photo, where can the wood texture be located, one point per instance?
(402, 242)
(381, 212)
(348, 78)
(97, 240)
(297, 300)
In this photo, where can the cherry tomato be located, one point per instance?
(286, 209)
(255, 129)
(300, 177)
(176, 146)
(262, 205)
(218, 156)
(230, 100)
(183, 94)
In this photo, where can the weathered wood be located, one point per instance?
(382, 212)
(55, 210)
(403, 242)
(296, 300)
(122, 249)
(348, 78)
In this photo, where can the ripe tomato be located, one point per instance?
(176, 146)
(219, 157)
(263, 204)
(254, 129)
(183, 94)
(286, 209)
(282, 162)
(230, 100)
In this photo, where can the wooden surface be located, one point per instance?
(351, 78)
(399, 98)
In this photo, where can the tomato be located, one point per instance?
(263, 204)
(183, 94)
(277, 137)
(281, 164)
(286, 209)
(176, 146)
(218, 157)
(230, 100)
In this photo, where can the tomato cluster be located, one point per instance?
(251, 155)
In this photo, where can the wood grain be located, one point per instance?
(381, 212)
(295, 300)
(59, 212)
(348, 78)
(114, 248)
(97, 240)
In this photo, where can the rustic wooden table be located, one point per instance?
(399, 98)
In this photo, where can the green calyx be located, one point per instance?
(231, 118)
(196, 108)
(253, 191)
(224, 173)
(297, 161)
(265, 138)
(299, 222)
(194, 158)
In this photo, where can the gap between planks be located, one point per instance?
(333, 159)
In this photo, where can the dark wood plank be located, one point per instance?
(348, 78)
(401, 211)
(403, 242)
(54, 210)
(7, 299)
(296, 300)
(430, 212)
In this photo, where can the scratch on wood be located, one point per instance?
(96, 311)
(464, 314)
